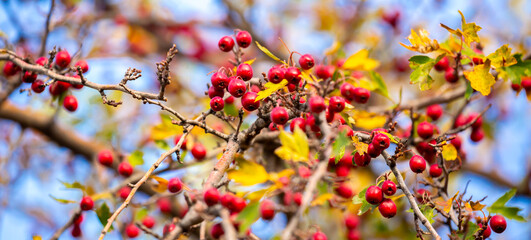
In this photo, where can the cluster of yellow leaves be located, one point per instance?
(421, 42)
(294, 146)
(469, 30)
(480, 78)
(360, 61)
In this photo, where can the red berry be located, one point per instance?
(168, 228)
(319, 236)
(248, 101)
(217, 231)
(342, 171)
(450, 75)
(373, 151)
(498, 223)
(456, 142)
(434, 111)
(442, 64)
(352, 221)
(297, 198)
(425, 130)
(70, 103)
(516, 87)
(298, 122)
(38, 86)
(237, 205)
(42, 61)
(124, 192)
(164, 205)
(175, 185)
(79, 219)
(10, 69)
(245, 71)
(478, 123)
(279, 115)
(83, 64)
(353, 235)
(29, 77)
(86, 203)
(237, 87)
(217, 104)
(526, 83)
(273, 127)
(389, 187)
(105, 157)
(374, 195)
(267, 209)
(381, 141)
(304, 172)
(227, 199)
(275, 74)
(226, 44)
(125, 169)
(213, 92)
(58, 87)
(293, 75)
(132, 231)
(347, 91)
(317, 104)
(76, 231)
(387, 208)
(306, 61)
(229, 100)
(423, 196)
(199, 151)
(148, 221)
(244, 39)
(361, 95)
(417, 164)
(324, 71)
(211, 196)
(486, 232)
(177, 139)
(460, 121)
(219, 81)
(362, 160)
(62, 59)
(477, 135)
(336, 104)
(435, 171)
(344, 191)
(391, 17)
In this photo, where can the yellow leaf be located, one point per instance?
(447, 205)
(306, 76)
(162, 184)
(248, 173)
(480, 78)
(476, 206)
(361, 61)
(449, 152)
(394, 198)
(322, 199)
(270, 88)
(361, 147)
(257, 195)
(165, 129)
(368, 120)
(502, 57)
(102, 195)
(470, 30)
(268, 53)
(456, 32)
(333, 49)
(37, 237)
(294, 147)
(421, 42)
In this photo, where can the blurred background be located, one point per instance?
(114, 35)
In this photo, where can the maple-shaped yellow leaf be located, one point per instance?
(449, 152)
(361, 147)
(294, 147)
(446, 205)
(470, 30)
(322, 199)
(502, 57)
(421, 42)
(248, 173)
(480, 78)
(360, 61)
(270, 88)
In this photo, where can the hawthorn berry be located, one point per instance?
(344, 191)
(317, 104)
(450, 75)
(175, 185)
(304, 172)
(352, 221)
(148, 221)
(38, 86)
(373, 151)
(199, 151)
(132, 231)
(168, 228)
(434, 111)
(237, 205)
(319, 236)
(267, 209)
(361, 95)
(86, 203)
(105, 157)
(219, 81)
(227, 199)
(29, 77)
(526, 83)
(297, 198)
(435, 171)
(478, 123)
(425, 130)
(217, 231)
(486, 232)
(10, 69)
(83, 64)
(124, 192)
(362, 160)
(516, 87)
(249, 102)
(391, 17)
(79, 219)
(342, 171)
(293, 75)
(41, 61)
(211, 196)
(297, 122)
(498, 223)
(387, 208)
(229, 100)
(164, 205)
(76, 231)
(460, 121)
(423, 196)
(417, 164)
(275, 74)
(324, 71)
(273, 127)
(306, 61)
(217, 104)
(347, 91)
(442, 64)
(353, 235)
(226, 44)
(244, 39)
(70, 103)
(457, 141)
(125, 169)
(236, 87)
(279, 115)
(336, 104)
(374, 195)
(59, 87)
(177, 139)
(380, 141)
(62, 59)
(347, 130)
(477, 135)
(245, 71)
(388, 187)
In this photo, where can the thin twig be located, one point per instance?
(71, 221)
(47, 28)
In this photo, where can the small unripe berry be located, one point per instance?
(373, 151)
(70, 103)
(62, 59)
(148, 221)
(124, 192)
(199, 151)
(352, 221)
(237, 87)
(279, 115)
(361, 95)
(347, 91)
(388, 188)
(435, 171)
(344, 191)
(450, 75)
(29, 77)
(214, 92)
(362, 160)
(211, 196)
(217, 104)
(319, 236)
(306, 61)
(248, 101)
(244, 39)
(86, 203)
(125, 169)
(317, 104)
(38, 86)
(275, 74)
(297, 122)
(293, 75)
(381, 141)
(442, 64)
(132, 231)
(10, 69)
(434, 111)
(477, 135)
(175, 185)
(267, 209)
(417, 164)
(374, 195)
(324, 71)
(425, 130)
(245, 71)
(83, 64)
(498, 223)
(219, 81)
(387, 208)
(217, 231)
(336, 104)
(226, 44)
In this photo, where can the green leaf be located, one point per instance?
(141, 214)
(472, 229)
(517, 71)
(104, 214)
(360, 199)
(248, 216)
(268, 53)
(428, 212)
(500, 202)
(136, 158)
(469, 90)
(231, 110)
(162, 144)
(338, 146)
(498, 207)
(74, 185)
(63, 201)
(382, 88)
(422, 66)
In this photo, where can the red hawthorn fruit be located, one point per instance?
(86, 203)
(148, 221)
(132, 231)
(387, 208)
(125, 169)
(105, 157)
(267, 209)
(124, 192)
(199, 151)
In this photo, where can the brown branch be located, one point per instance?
(230, 232)
(47, 28)
(147, 230)
(69, 223)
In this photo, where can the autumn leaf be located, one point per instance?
(449, 152)
(136, 158)
(63, 201)
(162, 184)
(165, 129)
(101, 195)
(268, 53)
(447, 205)
(422, 66)
(480, 78)
(248, 173)
(421, 42)
(294, 147)
(270, 88)
(333, 49)
(322, 199)
(367, 120)
(470, 30)
(360, 147)
(476, 206)
(502, 57)
(360, 61)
